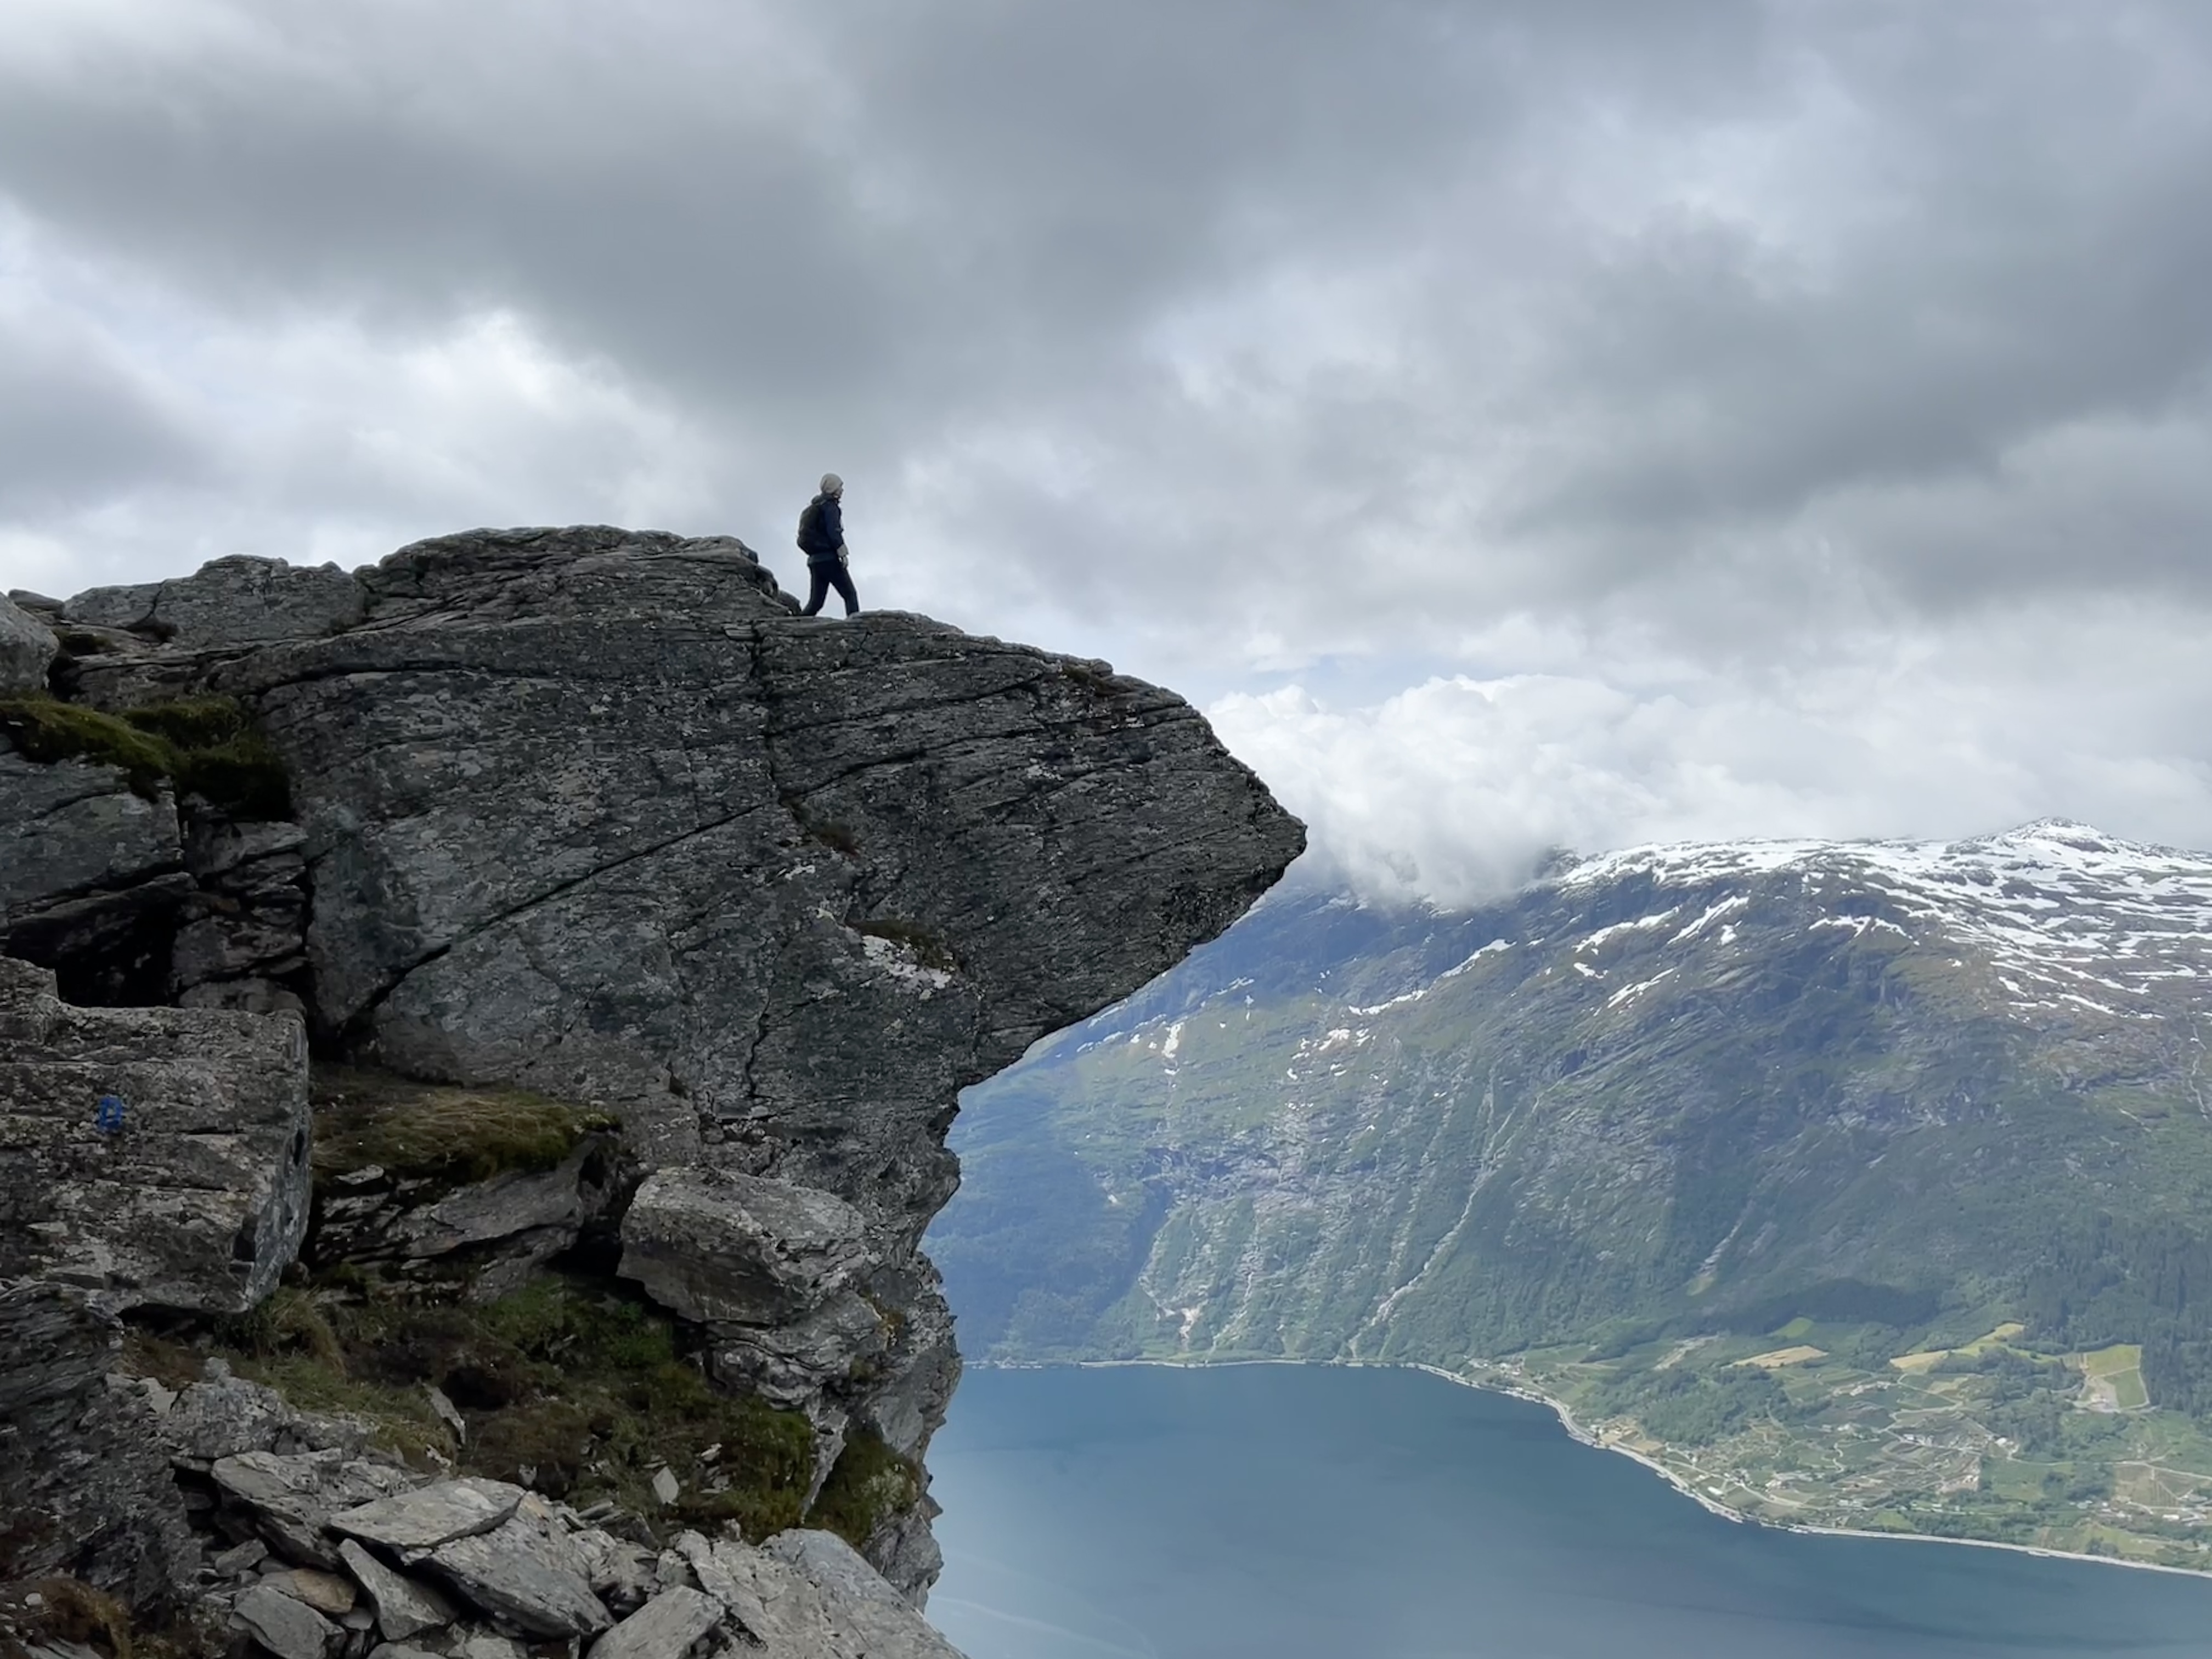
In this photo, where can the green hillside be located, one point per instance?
(1699, 1142)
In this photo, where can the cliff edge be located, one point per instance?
(589, 820)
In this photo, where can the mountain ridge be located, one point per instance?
(1906, 1092)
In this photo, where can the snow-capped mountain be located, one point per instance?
(1665, 1079)
(1897, 1095)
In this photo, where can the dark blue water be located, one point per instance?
(1294, 1512)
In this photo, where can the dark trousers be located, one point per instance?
(821, 579)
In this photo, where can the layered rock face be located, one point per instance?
(593, 812)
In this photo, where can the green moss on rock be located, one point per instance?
(203, 746)
(446, 1133)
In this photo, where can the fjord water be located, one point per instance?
(1294, 1512)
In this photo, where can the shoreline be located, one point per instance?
(1582, 1436)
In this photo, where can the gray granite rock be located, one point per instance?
(85, 1489)
(199, 1200)
(664, 1628)
(229, 603)
(428, 1517)
(713, 1245)
(522, 1573)
(283, 1625)
(27, 647)
(404, 1607)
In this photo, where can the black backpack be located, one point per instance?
(810, 529)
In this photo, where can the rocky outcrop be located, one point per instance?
(85, 1489)
(149, 1157)
(28, 649)
(237, 601)
(592, 813)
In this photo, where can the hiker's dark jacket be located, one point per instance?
(827, 519)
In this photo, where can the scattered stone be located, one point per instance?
(448, 1414)
(358, 1619)
(404, 1607)
(286, 1626)
(430, 1516)
(395, 1650)
(291, 1499)
(621, 1574)
(664, 1628)
(666, 1486)
(489, 1647)
(520, 1573)
(327, 1592)
(240, 1558)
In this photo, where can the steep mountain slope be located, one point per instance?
(1888, 1099)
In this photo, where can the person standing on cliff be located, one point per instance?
(822, 539)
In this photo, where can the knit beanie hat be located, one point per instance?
(832, 485)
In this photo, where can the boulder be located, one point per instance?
(196, 1196)
(712, 1245)
(520, 1572)
(404, 1607)
(28, 649)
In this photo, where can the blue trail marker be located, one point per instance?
(109, 1122)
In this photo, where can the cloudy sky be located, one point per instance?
(1519, 423)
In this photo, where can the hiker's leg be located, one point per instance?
(818, 589)
(843, 578)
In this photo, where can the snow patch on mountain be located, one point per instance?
(2065, 913)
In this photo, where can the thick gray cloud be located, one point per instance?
(1762, 371)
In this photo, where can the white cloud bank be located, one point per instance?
(1455, 789)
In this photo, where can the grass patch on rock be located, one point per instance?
(868, 1484)
(203, 746)
(446, 1132)
(570, 1386)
